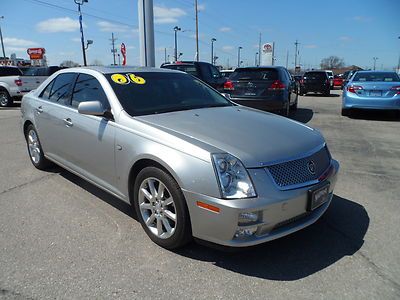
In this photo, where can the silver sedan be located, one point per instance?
(191, 162)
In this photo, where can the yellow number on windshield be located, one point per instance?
(136, 79)
(119, 78)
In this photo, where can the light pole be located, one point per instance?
(1, 38)
(212, 49)
(375, 59)
(239, 48)
(176, 29)
(398, 64)
(255, 59)
(79, 3)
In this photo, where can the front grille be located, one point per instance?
(290, 221)
(297, 172)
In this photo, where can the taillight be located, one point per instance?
(354, 88)
(301, 81)
(277, 85)
(18, 82)
(228, 85)
(396, 89)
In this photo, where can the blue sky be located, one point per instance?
(353, 30)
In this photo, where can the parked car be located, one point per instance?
(315, 81)
(202, 70)
(347, 76)
(226, 73)
(265, 88)
(338, 81)
(372, 90)
(191, 162)
(34, 76)
(331, 77)
(10, 85)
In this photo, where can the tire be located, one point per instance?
(327, 93)
(345, 112)
(302, 92)
(168, 223)
(35, 150)
(5, 98)
(294, 106)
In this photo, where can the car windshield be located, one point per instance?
(255, 74)
(376, 76)
(190, 69)
(145, 93)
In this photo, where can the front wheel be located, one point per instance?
(5, 99)
(161, 208)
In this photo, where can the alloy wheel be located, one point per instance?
(34, 146)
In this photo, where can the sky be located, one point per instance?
(353, 30)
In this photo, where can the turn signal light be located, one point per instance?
(228, 85)
(354, 88)
(208, 206)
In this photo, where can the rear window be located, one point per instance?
(255, 74)
(190, 69)
(315, 75)
(7, 71)
(376, 76)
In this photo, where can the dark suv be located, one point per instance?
(315, 81)
(264, 88)
(202, 70)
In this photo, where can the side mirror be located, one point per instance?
(92, 108)
(227, 96)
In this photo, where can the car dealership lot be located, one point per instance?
(62, 237)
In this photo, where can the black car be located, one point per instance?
(202, 70)
(264, 88)
(315, 81)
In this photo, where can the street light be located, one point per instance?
(176, 29)
(212, 49)
(88, 42)
(375, 59)
(79, 3)
(239, 48)
(2, 44)
(215, 59)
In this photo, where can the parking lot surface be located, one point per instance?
(61, 237)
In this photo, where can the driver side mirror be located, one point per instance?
(91, 108)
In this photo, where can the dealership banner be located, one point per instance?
(123, 52)
(267, 53)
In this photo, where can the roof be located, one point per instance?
(125, 69)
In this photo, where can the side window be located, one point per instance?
(45, 94)
(61, 89)
(214, 72)
(87, 88)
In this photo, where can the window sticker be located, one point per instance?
(127, 78)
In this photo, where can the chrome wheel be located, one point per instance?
(34, 146)
(157, 208)
(3, 99)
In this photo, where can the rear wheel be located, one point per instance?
(327, 93)
(5, 98)
(161, 208)
(35, 149)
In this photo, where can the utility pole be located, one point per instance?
(165, 55)
(176, 29)
(287, 59)
(197, 30)
(80, 2)
(273, 53)
(113, 50)
(295, 56)
(255, 59)
(239, 48)
(375, 59)
(212, 49)
(146, 33)
(259, 50)
(2, 44)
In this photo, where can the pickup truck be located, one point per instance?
(10, 85)
(34, 76)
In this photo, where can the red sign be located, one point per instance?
(36, 53)
(123, 52)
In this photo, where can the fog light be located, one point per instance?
(245, 232)
(248, 217)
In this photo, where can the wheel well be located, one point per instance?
(137, 167)
(26, 124)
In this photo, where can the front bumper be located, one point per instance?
(280, 212)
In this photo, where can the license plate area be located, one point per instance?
(375, 93)
(317, 197)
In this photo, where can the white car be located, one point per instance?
(10, 85)
(330, 75)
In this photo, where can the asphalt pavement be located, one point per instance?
(61, 237)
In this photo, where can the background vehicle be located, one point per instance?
(226, 73)
(34, 76)
(315, 81)
(330, 76)
(372, 90)
(202, 70)
(10, 85)
(265, 88)
(347, 76)
(338, 81)
(188, 160)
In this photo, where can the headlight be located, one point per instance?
(233, 177)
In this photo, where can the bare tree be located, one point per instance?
(332, 62)
(97, 62)
(69, 64)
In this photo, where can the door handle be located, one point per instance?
(68, 122)
(39, 109)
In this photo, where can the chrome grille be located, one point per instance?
(297, 171)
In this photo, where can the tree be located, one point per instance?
(69, 64)
(97, 62)
(332, 62)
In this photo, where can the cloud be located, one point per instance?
(345, 38)
(228, 48)
(201, 7)
(76, 40)
(312, 46)
(58, 25)
(18, 43)
(112, 27)
(225, 29)
(164, 15)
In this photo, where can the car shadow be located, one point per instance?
(375, 115)
(303, 115)
(321, 95)
(339, 233)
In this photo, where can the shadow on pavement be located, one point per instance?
(339, 233)
(321, 95)
(375, 115)
(303, 115)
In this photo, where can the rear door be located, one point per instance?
(252, 82)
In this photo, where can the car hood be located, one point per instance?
(255, 137)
